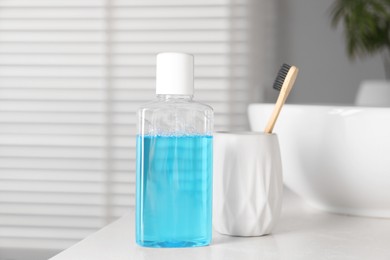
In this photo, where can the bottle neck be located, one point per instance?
(163, 97)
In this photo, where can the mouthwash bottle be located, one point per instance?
(174, 161)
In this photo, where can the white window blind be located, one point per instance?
(72, 74)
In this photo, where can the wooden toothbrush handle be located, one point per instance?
(284, 92)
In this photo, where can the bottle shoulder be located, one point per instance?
(157, 105)
(205, 106)
(175, 117)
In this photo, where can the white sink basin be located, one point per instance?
(335, 157)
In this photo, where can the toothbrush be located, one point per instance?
(283, 83)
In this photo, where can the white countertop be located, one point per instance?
(301, 233)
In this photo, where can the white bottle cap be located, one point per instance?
(175, 74)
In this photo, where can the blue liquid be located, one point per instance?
(174, 191)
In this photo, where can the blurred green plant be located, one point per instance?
(366, 27)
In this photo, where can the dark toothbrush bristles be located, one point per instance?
(278, 83)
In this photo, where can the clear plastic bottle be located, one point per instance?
(174, 161)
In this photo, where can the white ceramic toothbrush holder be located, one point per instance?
(248, 183)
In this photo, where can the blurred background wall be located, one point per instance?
(72, 76)
(305, 38)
